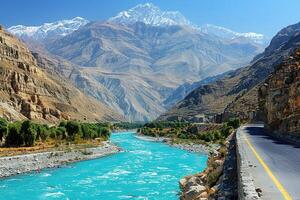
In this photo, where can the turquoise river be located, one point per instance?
(145, 170)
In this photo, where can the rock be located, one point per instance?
(203, 195)
(219, 162)
(182, 183)
(23, 82)
(194, 192)
(279, 98)
(193, 181)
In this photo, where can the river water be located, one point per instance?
(145, 170)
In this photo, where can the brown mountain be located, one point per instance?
(28, 91)
(237, 92)
(134, 68)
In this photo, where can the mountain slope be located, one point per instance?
(183, 90)
(157, 60)
(135, 60)
(239, 86)
(27, 91)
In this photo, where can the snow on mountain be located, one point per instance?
(151, 15)
(47, 30)
(229, 34)
(147, 13)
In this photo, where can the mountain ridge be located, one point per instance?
(163, 56)
(147, 13)
(156, 57)
(236, 94)
(48, 30)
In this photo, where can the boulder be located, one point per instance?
(194, 192)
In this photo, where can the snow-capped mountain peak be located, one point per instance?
(229, 34)
(150, 14)
(47, 30)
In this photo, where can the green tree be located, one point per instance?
(28, 131)
(62, 124)
(3, 128)
(61, 133)
(104, 133)
(86, 131)
(42, 132)
(73, 128)
(14, 138)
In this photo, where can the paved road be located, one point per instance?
(282, 159)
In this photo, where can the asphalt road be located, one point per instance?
(282, 159)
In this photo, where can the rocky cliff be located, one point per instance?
(236, 92)
(27, 91)
(279, 97)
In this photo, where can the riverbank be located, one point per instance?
(218, 180)
(13, 165)
(188, 146)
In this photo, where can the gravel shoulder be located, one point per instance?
(13, 165)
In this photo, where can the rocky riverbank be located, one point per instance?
(217, 181)
(191, 147)
(35, 162)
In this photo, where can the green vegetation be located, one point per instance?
(27, 133)
(187, 131)
(127, 125)
(166, 124)
(3, 128)
(234, 122)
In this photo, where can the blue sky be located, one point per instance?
(262, 16)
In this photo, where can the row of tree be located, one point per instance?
(26, 133)
(128, 125)
(184, 130)
(166, 124)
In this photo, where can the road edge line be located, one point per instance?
(279, 186)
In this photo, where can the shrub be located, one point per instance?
(226, 130)
(208, 137)
(213, 176)
(234, 122)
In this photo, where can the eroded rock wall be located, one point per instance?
(28, 91)
(279, 97)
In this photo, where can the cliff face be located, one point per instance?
(27, 91)
(279, 97)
